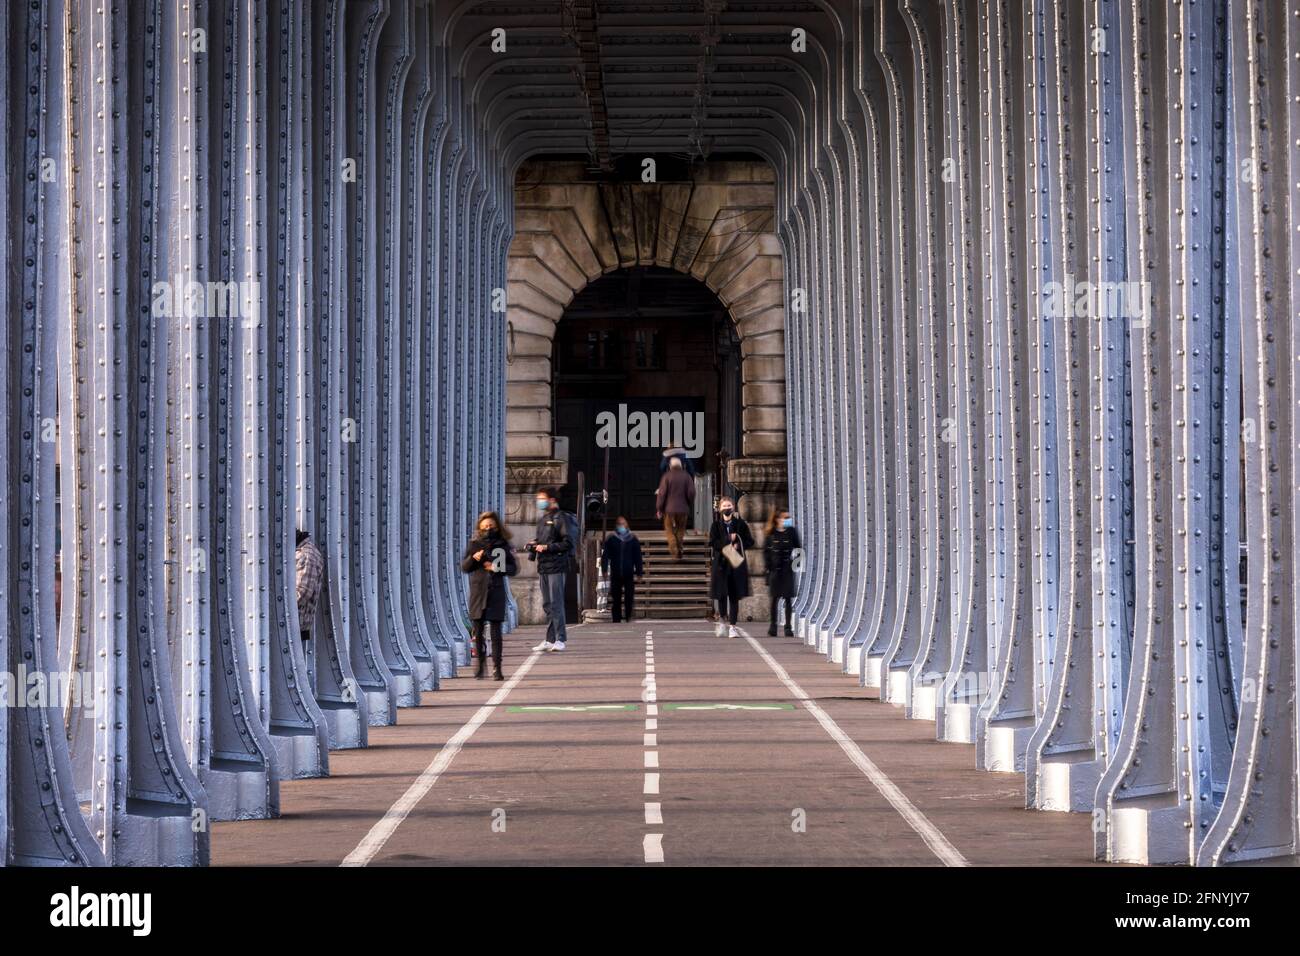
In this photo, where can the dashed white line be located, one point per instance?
(917, 820)
(653, 844)
(654, 849)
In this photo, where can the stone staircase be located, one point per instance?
(671, 589)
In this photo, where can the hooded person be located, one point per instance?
(620, 558)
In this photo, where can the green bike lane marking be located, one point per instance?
(751, 706)
(566, 708)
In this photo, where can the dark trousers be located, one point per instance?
(789, 611)
(622, 597)
(553, 606)
(729, 606)
(493, 631)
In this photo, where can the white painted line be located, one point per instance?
(651, 783)
(653, 710)
(653, 814)
(917, 820)
(648, 740)
(374, 841)
(651, 723)
(654, 847)
(649, 668)
(652, 758)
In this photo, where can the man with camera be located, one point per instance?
(551, 549)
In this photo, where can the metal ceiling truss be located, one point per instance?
(1041, 255)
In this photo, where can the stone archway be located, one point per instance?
(715, 225)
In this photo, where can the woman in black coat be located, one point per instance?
(727, 585)
(779, 555)
(488, 559)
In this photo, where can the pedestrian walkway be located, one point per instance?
(656, 742)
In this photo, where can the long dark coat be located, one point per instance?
(778, 555)
(487, 590)
(720, 568)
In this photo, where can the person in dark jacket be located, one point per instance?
(779, 556)
(488, 560)
(620, 558)
(550, 548)
(673, 503)
(727, 585)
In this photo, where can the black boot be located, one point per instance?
(479, 651)
(496, 671)
(771, 628)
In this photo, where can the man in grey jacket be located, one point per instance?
(673, 503)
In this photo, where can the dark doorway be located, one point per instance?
(656, 341)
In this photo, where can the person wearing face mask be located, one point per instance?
(728, 584)
(488, 560)
(550, 548)
(620, 558)
(779, 559)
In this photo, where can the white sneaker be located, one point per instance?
(733, 631)
(544, 646)
(558, 646)
(720, 630)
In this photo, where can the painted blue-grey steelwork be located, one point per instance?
(1039, 259)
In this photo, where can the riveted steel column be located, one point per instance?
(133, 773)
(1062, 766)
(337, 684)
(434, 240)
(1006, 717)
(1042, 211)
(934, 650)
(40, 822)
(861, 186)
(967, 671)
(295, 721)
(1175, 745)
(413, 319)
(888, 670)
(1260, 814)
(382, 687)
(1112, 263)
(393, 62)
(881, 328)
(240, 773)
